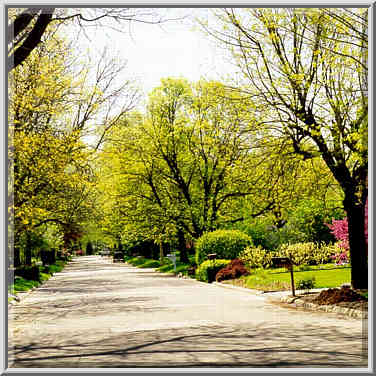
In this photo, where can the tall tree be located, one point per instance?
(186, 166)
(306, 75)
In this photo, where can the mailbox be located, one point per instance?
(281, 262)
(172, 257)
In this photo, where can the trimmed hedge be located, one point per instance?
(207, 271)
(227, 244)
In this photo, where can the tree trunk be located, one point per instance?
(358, 247)
(182, 247)
(16, 257)
(32, 40)
(161, 253)
(28, 250)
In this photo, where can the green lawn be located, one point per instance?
(280, 279)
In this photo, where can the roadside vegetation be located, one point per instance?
(33, 276)
(233, 178)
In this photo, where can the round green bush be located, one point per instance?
(227, 244)
(207, 271)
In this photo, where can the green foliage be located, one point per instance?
(306, 284)
(55, 268)
(207, 271)
(136, 261)
(307, 253)
(256, 257)
(150, 264)
(311, 215)
(169, 268)
(225, 243)
(305, 217)
(22, 284)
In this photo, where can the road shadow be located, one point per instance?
(207, 346)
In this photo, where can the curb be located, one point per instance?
(296, 302)
(228, 286)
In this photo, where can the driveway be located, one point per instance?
(99, 314)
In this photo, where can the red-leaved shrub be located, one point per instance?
(234, 269)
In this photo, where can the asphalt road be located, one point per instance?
(99, 314)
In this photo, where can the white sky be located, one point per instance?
(172, 49)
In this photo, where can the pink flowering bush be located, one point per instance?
(341, 258)
(340, 229)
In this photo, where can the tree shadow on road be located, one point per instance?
(205, 346)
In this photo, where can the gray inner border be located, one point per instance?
(4, 197)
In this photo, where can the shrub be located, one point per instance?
(89, 248)
(136, 261)
(64, 255)
(54, 268)
(307, 253)
(30, 273)
(207, 271)
(234, 269)
(306, 284)
(151, 264)
(298, 253)
(339, 255)
(256, 257)
(21, 284)
(226, 244)
(48, 257)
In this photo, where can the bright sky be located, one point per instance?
(172, 49)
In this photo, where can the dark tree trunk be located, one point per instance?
(32, 40)
(28, 250)
(358, 246)
(16, 257)
(182, 247)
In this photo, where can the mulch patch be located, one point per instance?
(343, 297)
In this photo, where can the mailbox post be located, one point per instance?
(285, 262)
(172, 257)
